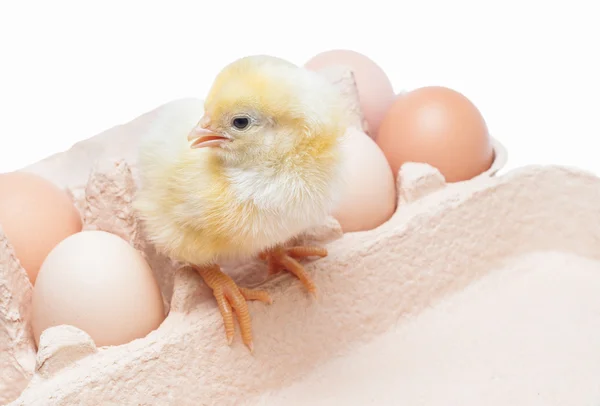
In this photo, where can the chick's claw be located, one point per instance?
(232, 299)
(279, 259)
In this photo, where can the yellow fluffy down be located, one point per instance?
(204, 205)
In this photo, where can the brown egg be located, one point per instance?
(440, 127)
(35, 215)
(369, 198)
(97, 282)
(374, 87)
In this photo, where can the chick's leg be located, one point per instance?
(280, 258)
(232, 298)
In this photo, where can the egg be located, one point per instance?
(375, 89)
(35, 215)
(97, 282)
(369, 196)
(440, 127)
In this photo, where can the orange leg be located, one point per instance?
(232, 298)
(279, 259)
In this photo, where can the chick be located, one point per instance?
(256, 165)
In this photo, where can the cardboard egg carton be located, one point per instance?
(477, 292)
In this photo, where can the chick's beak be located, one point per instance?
(201, 137)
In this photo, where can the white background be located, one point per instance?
(71, 69)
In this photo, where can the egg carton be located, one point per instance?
(468, 285)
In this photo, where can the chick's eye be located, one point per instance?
(241, 123)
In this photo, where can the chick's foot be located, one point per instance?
(280, 258)
(232, 298)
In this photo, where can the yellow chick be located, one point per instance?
(256, 165)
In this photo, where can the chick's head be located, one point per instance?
(262, 107)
